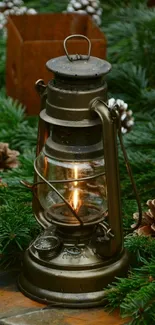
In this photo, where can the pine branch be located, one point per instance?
(135, 295)
(20, 134)
(140, 305)
(130, 34)
(140, 247)
(118, 290)
(24, 138)
(17, 228)
(48, 5)
(11, 112)
(129, 82)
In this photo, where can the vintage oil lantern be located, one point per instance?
(76, 188)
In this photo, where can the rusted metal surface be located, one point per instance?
(33, 40)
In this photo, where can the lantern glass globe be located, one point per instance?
(87, 197)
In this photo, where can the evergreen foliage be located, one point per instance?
(130, 32)
(21, 133)
(135, 295)
(17, 224)
(48, 5)
(129, 26)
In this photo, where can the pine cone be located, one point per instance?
(90, 7)
(127, 121)
(148, 220)
(8, 157)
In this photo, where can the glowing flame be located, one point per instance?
(75, 198)
(75, 191)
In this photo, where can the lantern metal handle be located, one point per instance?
(131, 179)
(40, 86)
(111, 120)
(77, 57)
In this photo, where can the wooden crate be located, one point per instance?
(151, 3)
(33, 40)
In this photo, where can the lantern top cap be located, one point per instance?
(77, 65)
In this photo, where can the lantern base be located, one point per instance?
(83, 288)
(58, 299)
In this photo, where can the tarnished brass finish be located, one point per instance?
(81, 249)
(112, 172)
(76, 276)
(61, 110)
(43, 128)
(78, 289)
(43, 134)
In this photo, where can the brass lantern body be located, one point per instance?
(76, 189)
